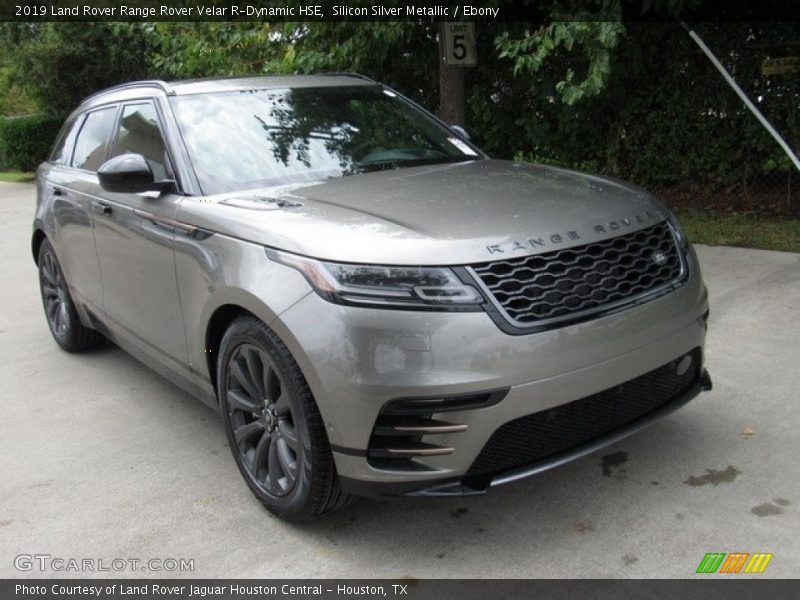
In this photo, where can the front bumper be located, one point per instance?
(471, 486)
(357, 360)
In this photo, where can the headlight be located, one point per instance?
(419, 288)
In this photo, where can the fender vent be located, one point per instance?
(399, 432)
(261, 203)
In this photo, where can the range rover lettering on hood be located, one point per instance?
(555, 239)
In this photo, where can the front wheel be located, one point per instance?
(273, 426)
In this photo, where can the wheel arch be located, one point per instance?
(37, 238)
(228, 305)
(217, 325)
(226, 313)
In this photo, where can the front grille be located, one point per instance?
(585, 279)
(538, 436)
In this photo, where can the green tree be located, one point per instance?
(58, 64)
(565, 61)
(190, 50)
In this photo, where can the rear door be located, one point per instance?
(135, 237)
(71, 187)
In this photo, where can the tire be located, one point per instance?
(274, 428)
(59, 309)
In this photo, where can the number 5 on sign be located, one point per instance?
(459, 45)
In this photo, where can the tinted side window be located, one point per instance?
(66, 139)
(92, 144)
(139, 133)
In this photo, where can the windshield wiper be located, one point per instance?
(415, 162)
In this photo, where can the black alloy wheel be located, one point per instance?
(259, 406)
(54, 294)
(274, 428)
(59, 309)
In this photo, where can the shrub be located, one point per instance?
(26, 141)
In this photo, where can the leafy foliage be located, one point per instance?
(637, 101)
(666, 117)
(25, 142)
(14, 99)
(189, 50)
(59, 64)
(571, 43)
(397, 53)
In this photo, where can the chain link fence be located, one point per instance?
(760, 176)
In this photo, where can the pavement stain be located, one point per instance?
(583, 527)
(713, 477)
(612, 461)
(629, 559)
(40, 484)
(6, 523)
(459, 512)
(766, 510)
(781, 502)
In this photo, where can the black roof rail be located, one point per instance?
(157, 83)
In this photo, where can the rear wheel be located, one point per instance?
(59, 309)
(274, 428)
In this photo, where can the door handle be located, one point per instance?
(101, 208)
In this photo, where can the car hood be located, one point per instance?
(452, 214)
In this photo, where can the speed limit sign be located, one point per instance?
(459, 45)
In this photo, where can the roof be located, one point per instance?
(226, 84)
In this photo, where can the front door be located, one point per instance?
(135, 244)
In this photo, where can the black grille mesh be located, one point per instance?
(584, 278)
(534, 437)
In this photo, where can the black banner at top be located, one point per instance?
(393, 10)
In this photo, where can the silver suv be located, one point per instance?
(372, 304)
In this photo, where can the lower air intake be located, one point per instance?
(538, 436)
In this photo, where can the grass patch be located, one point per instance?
(18, 176)
(746, 230)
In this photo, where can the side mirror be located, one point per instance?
(129, 174)
(460, 131)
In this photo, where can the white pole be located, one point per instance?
(781, 142)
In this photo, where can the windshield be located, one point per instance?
(256, 138)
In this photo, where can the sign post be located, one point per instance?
(459, 45)
(456, 51)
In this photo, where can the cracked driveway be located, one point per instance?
(99, 457)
